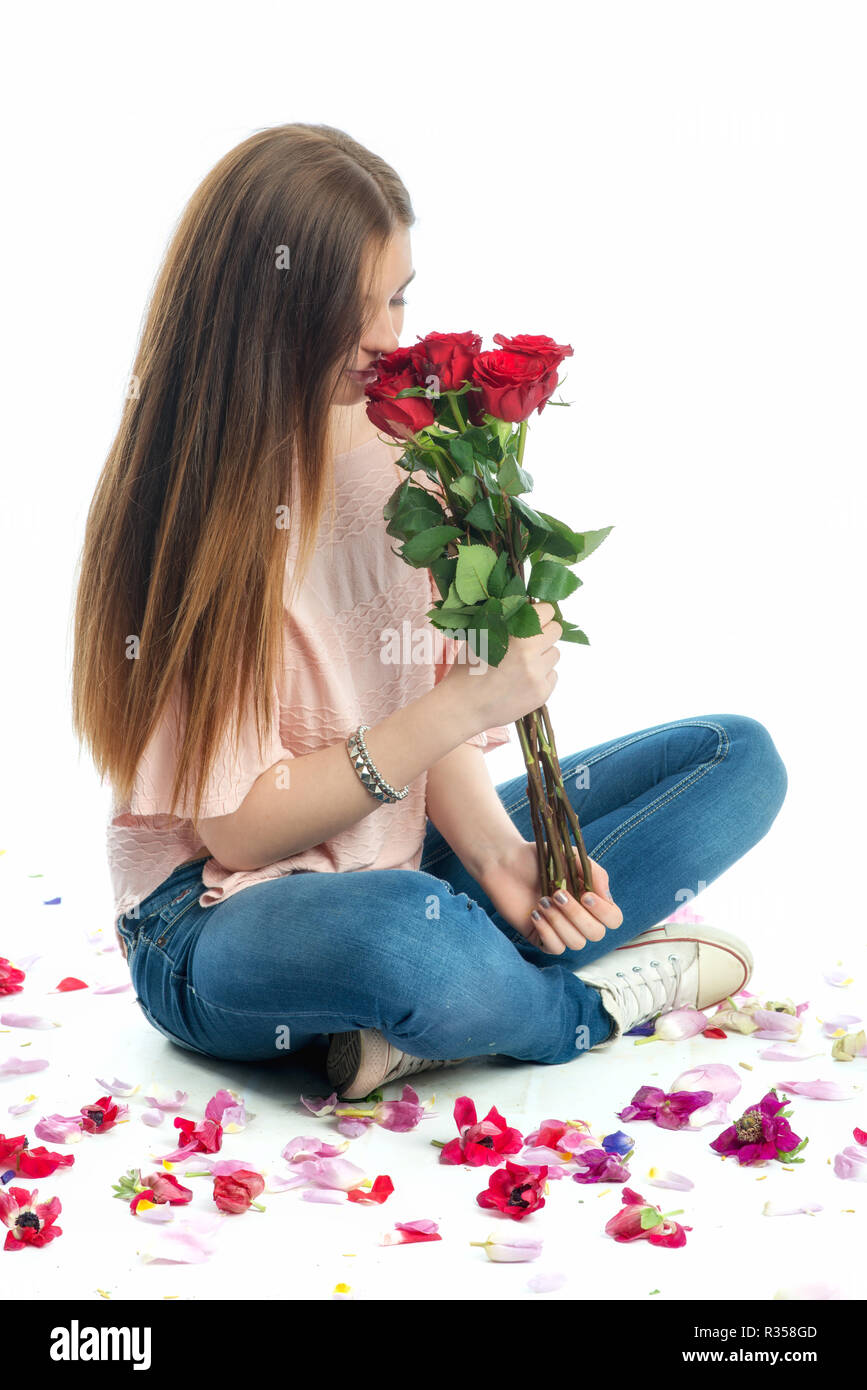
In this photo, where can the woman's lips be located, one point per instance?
(364, 377)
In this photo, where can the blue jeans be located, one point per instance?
(423, 955)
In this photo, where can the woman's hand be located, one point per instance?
(513, 886)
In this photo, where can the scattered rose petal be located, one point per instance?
(59, 1129)
(838, 977)
(860, 1135)
(116, 1087)
(50, 902)
(16, 1066)
(320, 1105)
(24, 1106)
(26, 1021)
(780, 1053)
(152, 1118)
(664, 1177)
(68, 984)
(851, 1164)
(303, 1147)
(832, 1027)
(510, 1249)
(323, 1194)
(112, 989)
(189, 1241)
(173, 1102)
(546, 1283)
(675, 1025)
(819, 1090)
(774, 1209)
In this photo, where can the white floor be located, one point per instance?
(301, 1249)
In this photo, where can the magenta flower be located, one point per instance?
(483, 1142)
(595, 1165)
(763, 1132)
(670, 1111)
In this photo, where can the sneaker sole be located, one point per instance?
(726, 941)
(357, 1063)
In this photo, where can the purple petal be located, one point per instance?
(323, 1194)
(838, 977)
(851, 1164)
(59, 1129)
(152, 1118)
(424, 1227)
(112, 989)
(351, 1128)
(840, 1024)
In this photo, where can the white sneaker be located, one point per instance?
(665, 968)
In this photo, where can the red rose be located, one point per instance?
(513, 385)
(447, 356)
(399, 418)
(100, 1116)
(536, 345)
(11, 979)
(235, 1191)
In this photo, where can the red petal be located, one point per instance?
(70, 982)
(714, 1033)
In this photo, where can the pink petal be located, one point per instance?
(425, 1226)
(664, 1177)
(776, 1026)
(59, 1129)
(677, 1024)
(304, 1147)
(227, 1109)
(152, 1118)
(719, 1078)
(819, 1090)
(25, 962)
(23, 1107)
(320, 1105)
(176, 1102)
(685, 914)
(191, 1243)
(16, 1066)
(773, 1209)
(112, 989)
(838, 977)
(116, 1087)
(716, 1113)
(780, 1053)
(840, 1024)
(323, 1194)
(159, 1215)
(546, 1283)
(352, 1127)
(26, 1021)
(851, 1164)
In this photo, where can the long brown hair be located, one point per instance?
(258, 306)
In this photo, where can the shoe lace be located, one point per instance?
(658, 987)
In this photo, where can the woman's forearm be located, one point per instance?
(463, 804)
(305, 801)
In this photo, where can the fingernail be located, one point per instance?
(609, 897)
(546, 902)
(536, 916)
(560, 896)
(589, 898)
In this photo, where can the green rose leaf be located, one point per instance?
(481, 516)
(550, 581)
(422, 549)
(512, 478)
(475, 563)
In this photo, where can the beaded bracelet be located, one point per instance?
(367, 770)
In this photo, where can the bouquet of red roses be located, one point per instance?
(454, 408)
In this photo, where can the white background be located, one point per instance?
(676, 189)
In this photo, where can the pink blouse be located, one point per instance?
(337, 672)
